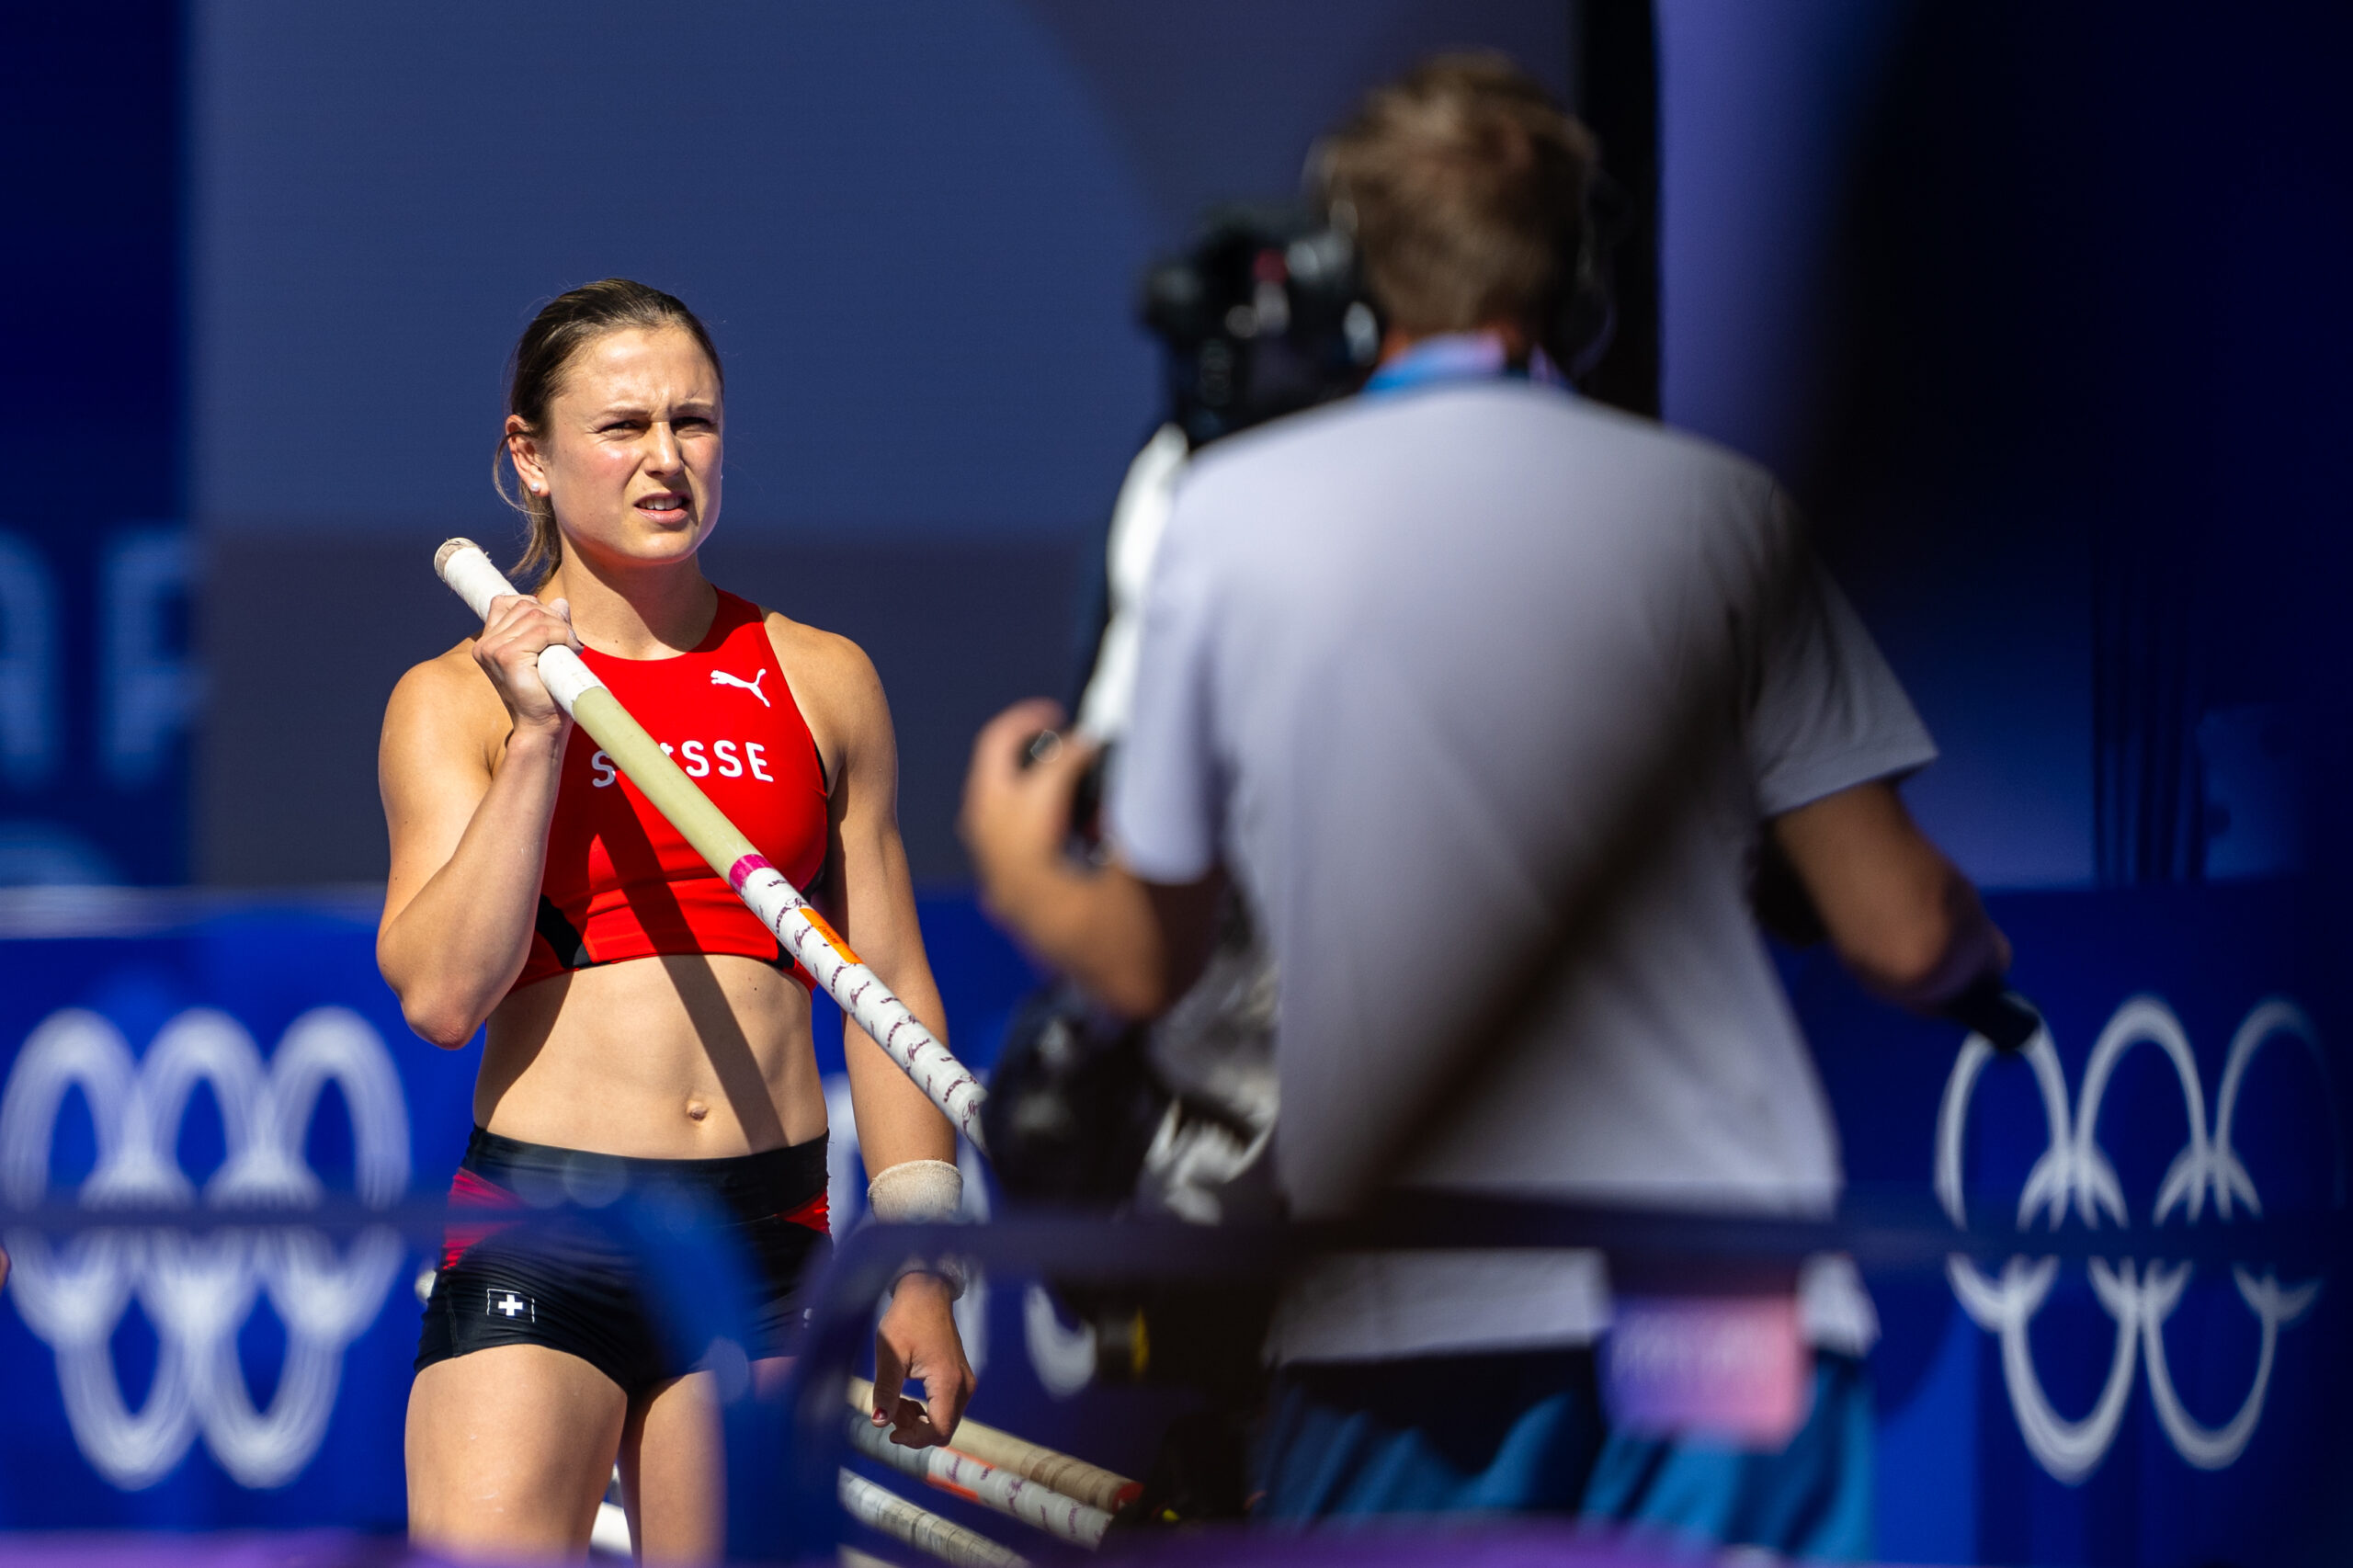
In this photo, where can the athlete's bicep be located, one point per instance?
(432, 772)
(872, 899)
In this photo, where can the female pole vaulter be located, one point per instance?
(645, 1030)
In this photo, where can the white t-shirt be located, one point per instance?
(1416, 668)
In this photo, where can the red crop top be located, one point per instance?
(620, 883)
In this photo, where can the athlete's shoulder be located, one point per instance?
(448, 676)
(839, 692)
(449, 688)
(826, 655)
(442, 712)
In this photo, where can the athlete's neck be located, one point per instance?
(651, 612)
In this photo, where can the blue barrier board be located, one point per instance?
(2044, 1410)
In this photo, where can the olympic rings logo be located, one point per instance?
(197, 1290)
(2073, 1172)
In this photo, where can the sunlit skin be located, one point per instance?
(632, 449)
(676, 1057)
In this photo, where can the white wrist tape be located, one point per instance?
(921, 1192)
(917, 1192)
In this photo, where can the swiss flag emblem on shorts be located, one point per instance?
(510, 1305)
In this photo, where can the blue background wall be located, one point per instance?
(97, 688)
(2032, 308)
(1936, 264)
(915, 232)
(317, 230)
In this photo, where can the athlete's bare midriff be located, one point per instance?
(682, 1057)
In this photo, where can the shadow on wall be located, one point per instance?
(285, 775)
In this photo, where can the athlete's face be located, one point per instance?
(630, 453)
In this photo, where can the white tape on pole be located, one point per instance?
(804, 932)
(1089, 1484)
(961, 1475)
(881, 1508)
(475, 578)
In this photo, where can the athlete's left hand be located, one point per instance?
(917, 1343)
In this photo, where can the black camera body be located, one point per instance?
(1264, 316)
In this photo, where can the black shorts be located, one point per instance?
(613, 1259)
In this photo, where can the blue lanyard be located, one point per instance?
(1460, 357)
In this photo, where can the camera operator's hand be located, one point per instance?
(1132, 945)
(1018, 800)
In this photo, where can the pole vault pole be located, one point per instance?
(1074, 1477)
(961, 1475)
(881, 1508)
(804, 932)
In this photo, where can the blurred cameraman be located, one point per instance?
(1492, 698)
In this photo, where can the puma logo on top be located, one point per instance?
(721, 677)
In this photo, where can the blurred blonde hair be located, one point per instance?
(1464, 184)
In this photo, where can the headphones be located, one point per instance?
(1581, 322)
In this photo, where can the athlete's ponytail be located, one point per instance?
(565, 325)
